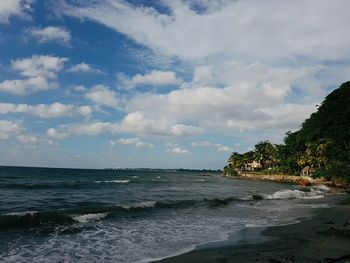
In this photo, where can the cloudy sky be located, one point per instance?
(162, 83)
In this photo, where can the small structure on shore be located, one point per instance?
(252, 166)
(307, 171)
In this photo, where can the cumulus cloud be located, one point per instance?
(54, 110)
(249, 80)
(132, 141)
(139, 123)
(102, 95)
(154, 78)
(9, 8)
(57, 135)
(27, 139)
(219, 147)
(246, 29)
(50, 34)
(84, 68)
(134, 123)
(39, 73)
(9, 128)
(173, 148)
(247, 102)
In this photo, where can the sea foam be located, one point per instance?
(114, 181)
(294, 194)
(89, 217)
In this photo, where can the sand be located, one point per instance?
(325, 237)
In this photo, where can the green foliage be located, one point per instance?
(273, 170)
(265, 153)
(323, 143)
(335, 172)
(230, 171)
(236, 160)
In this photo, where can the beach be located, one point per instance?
(325, 237)
(81, 215)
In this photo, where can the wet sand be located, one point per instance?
(324, 237)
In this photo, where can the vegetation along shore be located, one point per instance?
(318, 152)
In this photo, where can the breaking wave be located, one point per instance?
(99, 211)
(113, 181)
(95, 212)
(89, 217)
(296, 194)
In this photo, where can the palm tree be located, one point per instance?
(315, 154)
(236, 160)
(265, 153)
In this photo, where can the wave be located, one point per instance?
(113, 181)
(85, 213)
(295, 194)
(33, 219)
(96, 212)
(54, 185)
(89, 217)
(38, 186)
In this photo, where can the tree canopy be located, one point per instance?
(323, 142)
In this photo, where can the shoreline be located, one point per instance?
(290, 179)
(322, 237)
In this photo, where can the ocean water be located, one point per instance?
(77, 215)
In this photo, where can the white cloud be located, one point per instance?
(57, 135)
(84, 68)
(239, 29)
(27, 139)
(173, 148)
(185, 130)
(92, 129)
(39, 72)
(230, 91)
(79, 88)
(10, 8)
(102, 95)
(54, 110)
(139, 123)
(75, 90)
(203, 74)
(219, 147)
(133, 123)
(9, 128)
(155, 78)
(50, 34)
(132, 141)
(253, 97)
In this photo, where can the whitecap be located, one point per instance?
(321, 187)
(294, 194)
(144, 204)
(89, 217)
(114, 181)
(24, 213)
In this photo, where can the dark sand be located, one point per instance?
(322, 238)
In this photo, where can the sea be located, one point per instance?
(109, 215)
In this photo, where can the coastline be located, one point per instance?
(290, 179)
(324, 237)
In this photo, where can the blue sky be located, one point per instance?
(165, 84)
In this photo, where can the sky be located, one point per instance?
(162, 84)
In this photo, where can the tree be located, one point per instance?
(315, 154)
(265, 153)
(236, 160)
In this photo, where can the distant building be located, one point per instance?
(252, 166)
